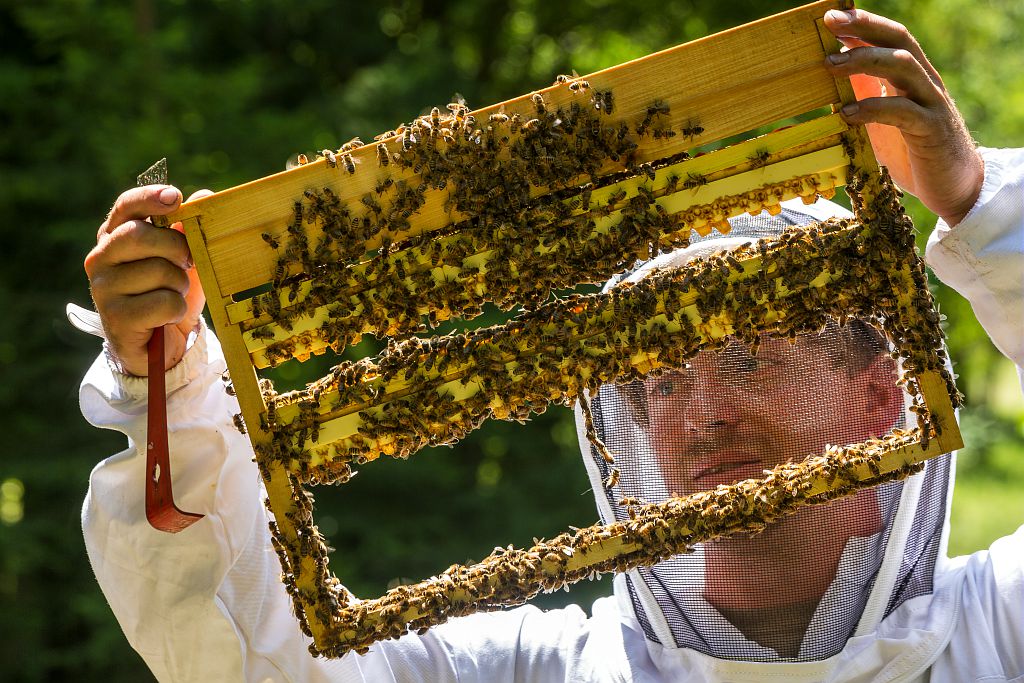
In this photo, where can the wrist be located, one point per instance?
(971, 194)
(178, 339)
(131, 387)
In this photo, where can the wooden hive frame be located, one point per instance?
(312, 258)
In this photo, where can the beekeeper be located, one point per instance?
(859, 590)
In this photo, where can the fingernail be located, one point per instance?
(839, 57)
(168, 195)
(839, 17)
(851, 109)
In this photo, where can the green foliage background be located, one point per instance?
(92, 92)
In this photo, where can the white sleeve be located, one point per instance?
(983, 259)
(988, 643)
(983, 256)
(205, 604)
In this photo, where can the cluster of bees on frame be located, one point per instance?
(530, 245)
(556, 351)
(653, 532)
(566, 348)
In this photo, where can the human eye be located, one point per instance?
(665, 387)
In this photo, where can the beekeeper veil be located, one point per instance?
(801, 588)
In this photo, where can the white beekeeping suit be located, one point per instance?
(207, 604)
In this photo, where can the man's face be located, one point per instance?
(731, 415)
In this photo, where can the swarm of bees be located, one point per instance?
(514, 246)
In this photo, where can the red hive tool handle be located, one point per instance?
(161, 511)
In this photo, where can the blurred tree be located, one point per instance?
(94, 91)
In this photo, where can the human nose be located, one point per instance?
(714, 403)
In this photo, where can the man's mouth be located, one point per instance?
(749, 466)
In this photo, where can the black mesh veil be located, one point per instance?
(802, 587)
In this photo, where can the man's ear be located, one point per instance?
(883, 399)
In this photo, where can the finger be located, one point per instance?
(137, 240)
(140, 203)
(132, 319)
(857, 27)
(898, 66)
(139, 277)
(911, 118)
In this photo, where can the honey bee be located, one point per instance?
(613, 479)
(229, 387)
(350, 164)
(450, 203)
(332, 161)
(382, 155)
(458, 107)
(302, 160)
(694, 181)
(262, 333)
(617, 196)
(759, 158)
(538, 103)
(279, 270)
(383, 186)
(644, 197)
(370, 203)
(585, 196)
(239, 423)
(692, 129)
(659, 108)
(352, 144)
(435, 117)
(271, 240)
(514, 123)
(579, 87)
